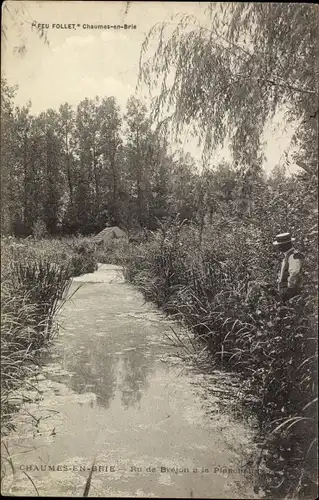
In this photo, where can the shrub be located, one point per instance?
(39, 229)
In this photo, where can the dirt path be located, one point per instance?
(111, 392)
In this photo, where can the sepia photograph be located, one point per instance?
(159, 249)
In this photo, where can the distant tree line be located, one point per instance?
(77, 170)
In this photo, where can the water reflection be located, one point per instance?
(109, 354)
(94, 369)
(111, 347)
(93, 372)
(135, 369)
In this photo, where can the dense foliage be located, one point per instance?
(224, 78)
(70, 171)
(209, 257)
(221, 280)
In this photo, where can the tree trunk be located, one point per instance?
(97, 187)
(114, 183)
(68, 167)
(139, 181)
(26, 221)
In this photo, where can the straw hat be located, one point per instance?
(283, 238)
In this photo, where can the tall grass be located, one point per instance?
(222, 289)
(35, 278)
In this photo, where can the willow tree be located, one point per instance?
(226, 77)
(16, 18)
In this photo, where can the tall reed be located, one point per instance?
(224, 291)
(35, 283)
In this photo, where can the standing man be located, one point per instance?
(290, 272)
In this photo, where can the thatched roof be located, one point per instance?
(108, 234)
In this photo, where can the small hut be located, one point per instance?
(107, 235)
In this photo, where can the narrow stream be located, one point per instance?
(112, 391)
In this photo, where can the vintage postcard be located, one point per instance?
(158, 249)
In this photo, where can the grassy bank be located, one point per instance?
(35, 277)
(221, 284)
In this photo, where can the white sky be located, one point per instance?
(81, 63)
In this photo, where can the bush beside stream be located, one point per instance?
(221, 283)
